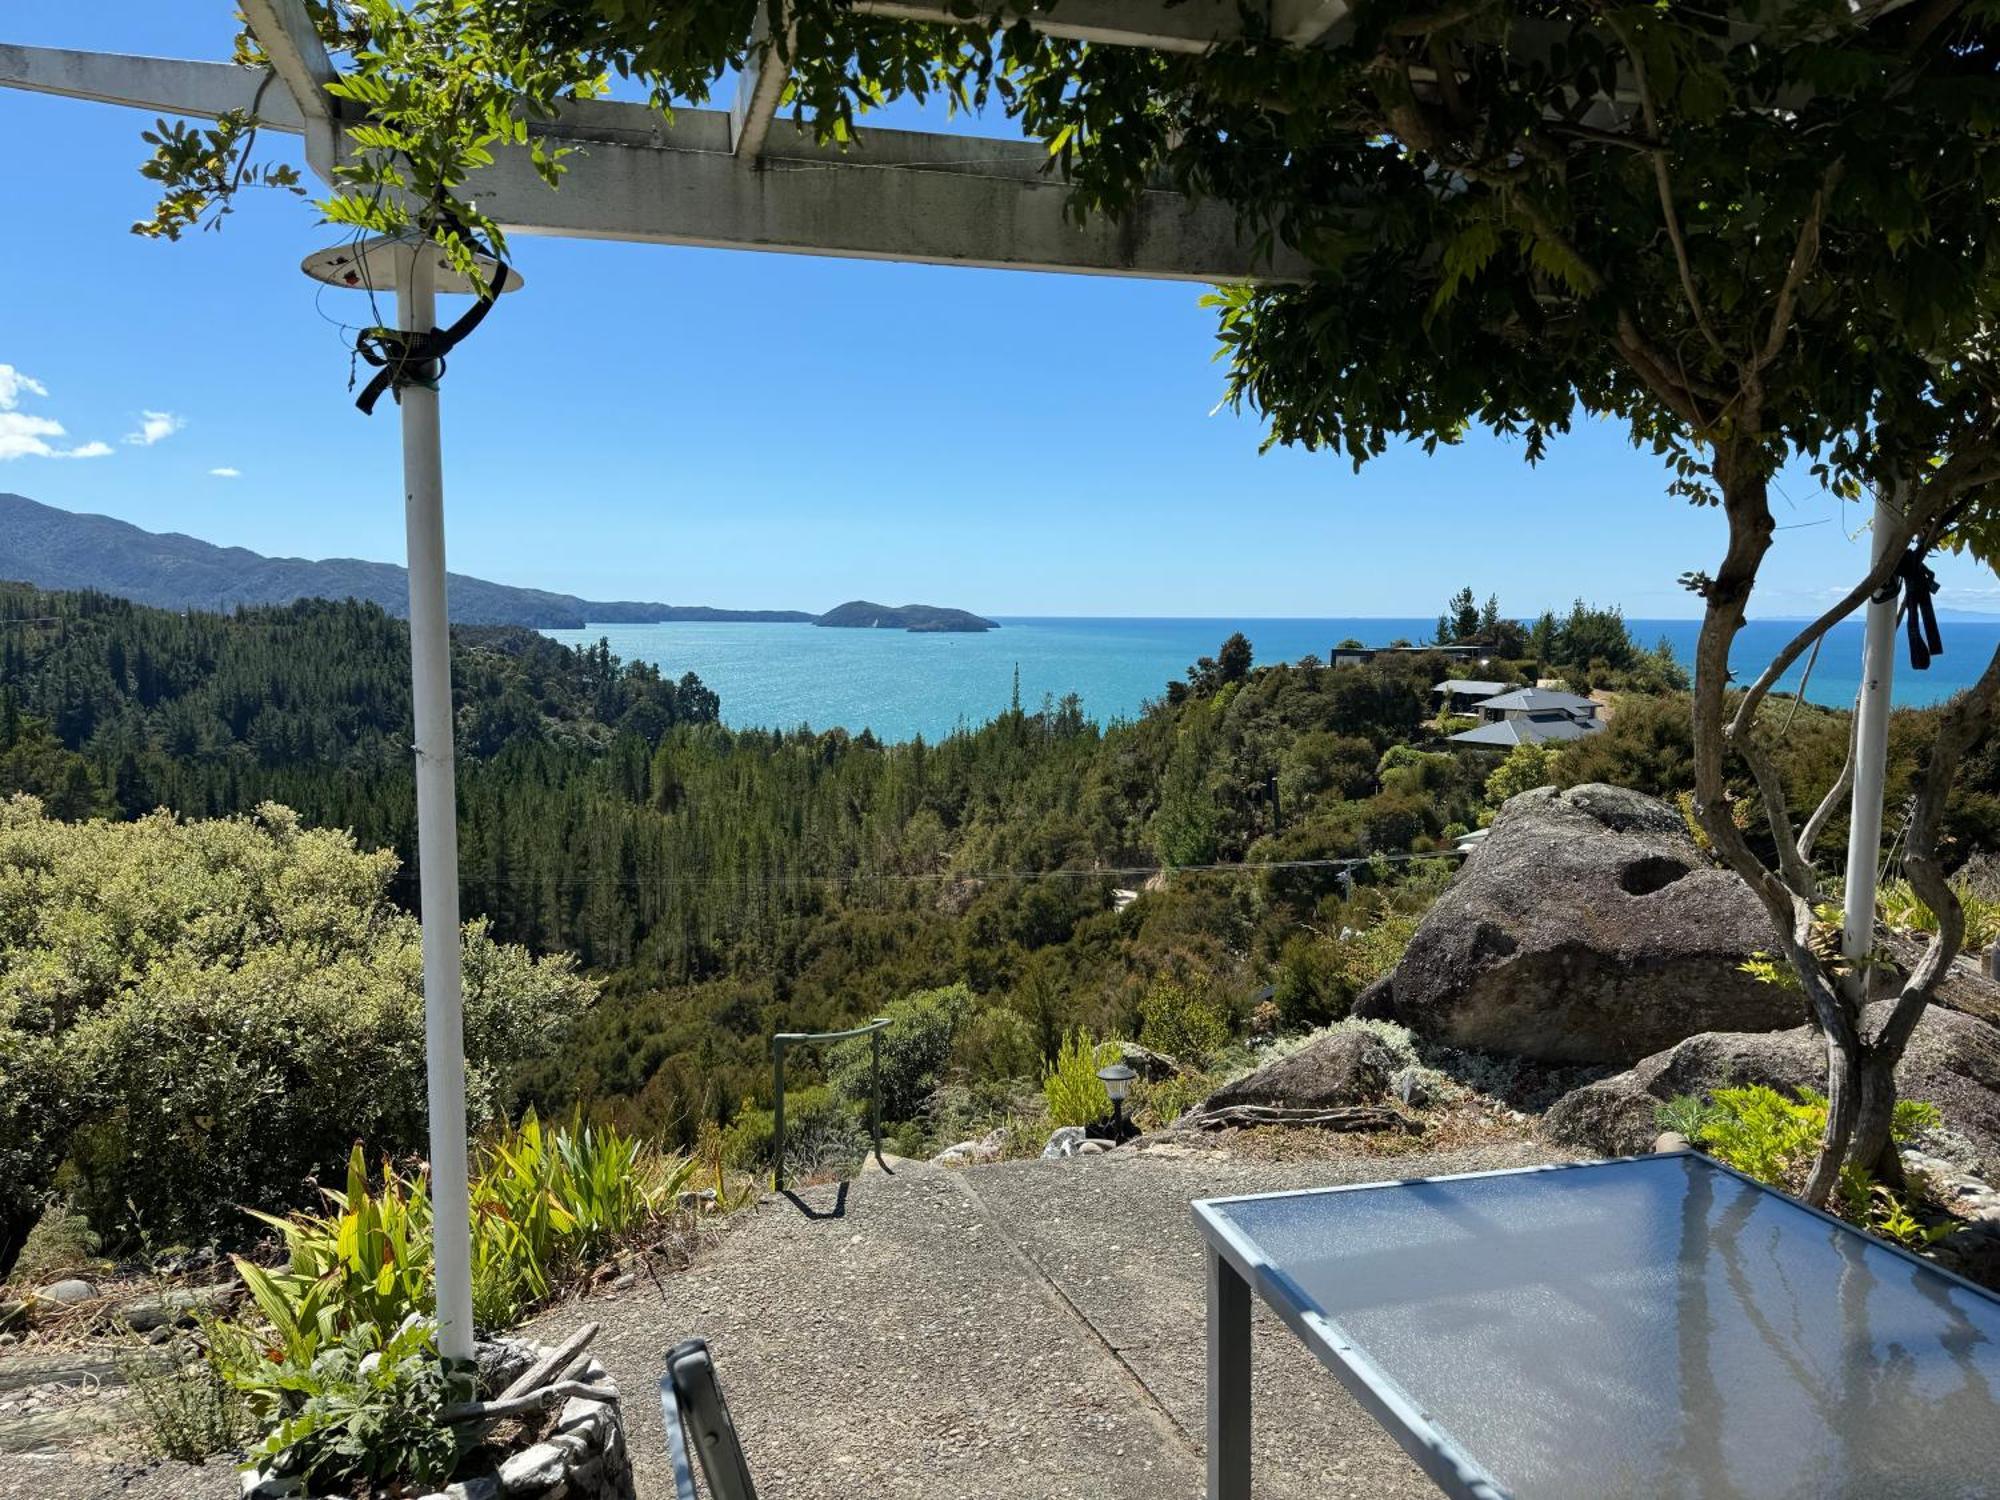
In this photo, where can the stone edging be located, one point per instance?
(583, 1458)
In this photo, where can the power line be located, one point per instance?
(1110, 872)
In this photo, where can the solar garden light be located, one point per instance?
(1117, 1080)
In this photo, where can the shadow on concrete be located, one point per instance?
(836, 1210)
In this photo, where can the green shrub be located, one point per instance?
(1074, 1092)
(368, 1407)
(545, 1203)
(549, 1202)
(1688, 1115)
(1764, 1135)
(1318, 979)
(997, 1044)
(1902, 907)
(916, 1048)
(186, 1410)
(1186, 1021)
(1308, 987)
(1759, 1131)
(1163, 1101)
(824, 1134)
(197, 1015)
(1525, 768)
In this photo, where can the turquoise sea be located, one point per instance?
(900, 685)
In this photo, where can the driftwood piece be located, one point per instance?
(547, 1367)
(1343, 1117)
(540, 1399)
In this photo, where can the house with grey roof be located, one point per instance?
(1461, 694)
(1360, 656)
(1529, 716)
(1531, 700)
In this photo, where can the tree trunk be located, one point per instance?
(1843, 1109)
(1870, 1147)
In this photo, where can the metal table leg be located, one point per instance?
(1228, 1382)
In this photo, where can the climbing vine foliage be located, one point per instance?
(1770, 224)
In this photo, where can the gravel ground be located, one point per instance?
(31, 1476)
(1030, 1329)
(1025, 1331)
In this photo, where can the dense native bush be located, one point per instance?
(727, 883)
(915, 1048)
(195, 1016)
(1186, 1020)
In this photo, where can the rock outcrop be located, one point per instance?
(1953, 1061)
(1346, 1066)
(1586, 929)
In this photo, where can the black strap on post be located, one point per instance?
(1919, 584)
(405, 356)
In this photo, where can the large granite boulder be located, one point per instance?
(1587, 928)
(1953, 1061)
(1346, 1066)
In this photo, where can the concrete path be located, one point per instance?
(1023, 1331)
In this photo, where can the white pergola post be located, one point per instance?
(437, 824)
(1871, 756)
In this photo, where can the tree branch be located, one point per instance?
(1874, 582)
(1835, 794)
(1750, 526)
(1794, 871)
(1804, 252)
(1663, 180)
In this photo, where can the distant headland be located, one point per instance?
(61, 549)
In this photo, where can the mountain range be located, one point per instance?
(60, 549)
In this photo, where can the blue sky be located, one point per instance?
(762, 430)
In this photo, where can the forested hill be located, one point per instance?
(725, 884)
(60, 549)
(860, 614)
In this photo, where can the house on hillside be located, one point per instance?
(1529, 716)
(1462, 695)
(1360, 656)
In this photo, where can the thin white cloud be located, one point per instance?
(154, 426)
(13, 383)
(225, 472)
(23, 435)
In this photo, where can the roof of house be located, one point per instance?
(1532, 729)
(1534, 699)
(1462, 651)
(1458, 687)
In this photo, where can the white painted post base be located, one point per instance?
(1228, 1382)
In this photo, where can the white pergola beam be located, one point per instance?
(758, 91)
(1157, 25)
(824, 204)
(162, 85)
(286, 34)
(893, 195)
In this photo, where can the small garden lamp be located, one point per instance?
(1117, 1079)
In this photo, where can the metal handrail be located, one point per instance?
(783, 1039)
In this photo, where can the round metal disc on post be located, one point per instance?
(375, 265)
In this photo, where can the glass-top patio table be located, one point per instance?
(1661, 1326)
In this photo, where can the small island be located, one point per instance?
(927, 619)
